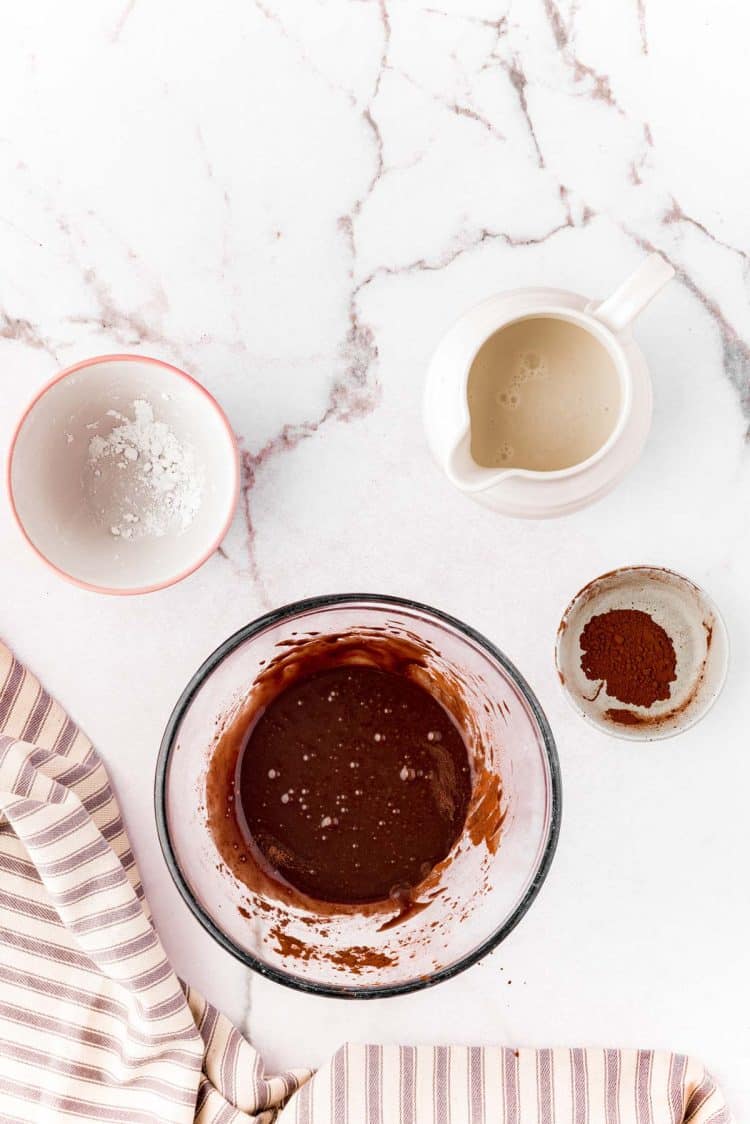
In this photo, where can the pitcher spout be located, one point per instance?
(468, 476)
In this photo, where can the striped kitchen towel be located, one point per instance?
(95, 1026)
(495, 1085)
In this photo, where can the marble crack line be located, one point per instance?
(519, 82)
(128, 328)
(369, 118)
(20, 231)
(499, 25)
(299, 48)
(473, 115)
(640, 6)
(379, 160)
(637, 166)
(225, 202)
(347, 400)
(454, 107)
(426, 265)
(119, 27)
(385, 21)
(20, 330)
(601, 88)
(676, 216)
(353, 395)
(247, 1016)
(735, 351)
(236, 569)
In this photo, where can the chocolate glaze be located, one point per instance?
(353, 784)
(401, 654)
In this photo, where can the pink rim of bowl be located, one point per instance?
(210, 400)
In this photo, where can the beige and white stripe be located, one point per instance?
(495, 1085)
(95, 1026)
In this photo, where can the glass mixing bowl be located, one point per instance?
(482, 891)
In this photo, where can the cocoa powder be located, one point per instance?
(632, 654)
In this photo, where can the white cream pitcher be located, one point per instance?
(532, 492)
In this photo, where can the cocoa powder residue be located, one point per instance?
(625, 717)
(358, 957)
(632, 654)
(287, 945)
(352, 960)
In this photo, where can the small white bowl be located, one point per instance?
(48, 460)
(690, 619)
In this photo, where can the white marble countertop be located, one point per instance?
(292, 200)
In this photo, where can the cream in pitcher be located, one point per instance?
(543, 394)
(538, 401)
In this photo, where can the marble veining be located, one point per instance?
(293, 201)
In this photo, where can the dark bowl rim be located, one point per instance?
(217, 657)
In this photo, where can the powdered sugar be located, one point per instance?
(142, 479)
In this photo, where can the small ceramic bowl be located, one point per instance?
(49, 474)
(696, 630)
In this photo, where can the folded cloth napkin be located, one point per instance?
(94, 1024)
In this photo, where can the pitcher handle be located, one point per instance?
(630, 298)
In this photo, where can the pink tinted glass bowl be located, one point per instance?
(484, 894)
